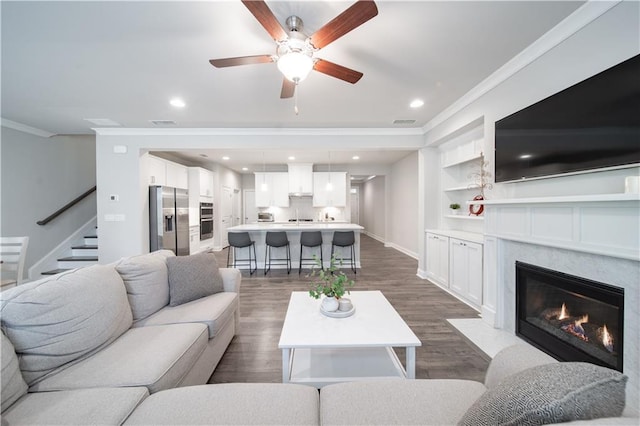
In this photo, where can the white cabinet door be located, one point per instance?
(465, 270)
(438, 259)
(272, 189)
(300, 178)
(177, 175)
(333, 195)
(206, 183)
(157, 171)
(280, 190)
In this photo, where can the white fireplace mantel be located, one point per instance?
(596, 237)
(606, 224)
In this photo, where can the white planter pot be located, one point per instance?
(330, 304)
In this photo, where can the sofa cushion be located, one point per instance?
(102, 406)
(233, 403)
(213, 311)
(13, 385)
(193, 277)
(156, 357)
(512, 360)
(551, 393)
(400, 402)
(147, 281)
(64, 318)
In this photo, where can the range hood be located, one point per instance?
(300, 180)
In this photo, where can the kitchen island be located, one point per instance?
(258, 232)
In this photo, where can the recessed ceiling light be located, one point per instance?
(524, 156)
(225, 158)
(177, 102)
(244, 169)
(291, 157)
(416, 103)
(355, 157)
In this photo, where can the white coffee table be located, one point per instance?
(318, 350)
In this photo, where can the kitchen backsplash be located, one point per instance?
(305, 210)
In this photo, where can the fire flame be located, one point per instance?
(563, 312)
(607, 340)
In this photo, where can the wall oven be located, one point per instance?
(206, 221)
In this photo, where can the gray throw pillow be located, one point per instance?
(552, 393)
(193, 277)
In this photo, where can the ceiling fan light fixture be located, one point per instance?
(295, 66)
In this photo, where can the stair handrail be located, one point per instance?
(66, 207)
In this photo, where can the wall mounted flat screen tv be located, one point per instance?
(594, 124)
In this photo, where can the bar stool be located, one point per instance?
(277, 239)
(310, 239)
(345, 239)
(239, 240)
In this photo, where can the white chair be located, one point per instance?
(13, 251)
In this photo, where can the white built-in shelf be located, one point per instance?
(562, 199)
(469, 187)
(463, 160)
(464, 217)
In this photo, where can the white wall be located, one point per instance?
(374, 204)
(403, 206)
(608, 40)
(40, 175)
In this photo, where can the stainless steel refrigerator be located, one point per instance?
(169, 219)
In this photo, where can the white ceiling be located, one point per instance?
(64, 62)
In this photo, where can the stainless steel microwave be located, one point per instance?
(265, 217)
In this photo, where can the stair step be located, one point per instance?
(91, 240)
(84, 250)
(78, 259)
(55, 271)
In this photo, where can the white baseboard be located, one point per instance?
(421, 274)
(402, 250)
(50, 260)
(374, 236)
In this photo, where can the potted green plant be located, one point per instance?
(455, 208)
(330, 282)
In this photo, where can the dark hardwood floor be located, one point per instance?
(253, 355)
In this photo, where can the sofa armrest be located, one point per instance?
(231, 279)
(514, 359)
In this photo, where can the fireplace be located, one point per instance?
(570, 318)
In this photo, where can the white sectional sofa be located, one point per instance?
(112, 329)
(104, 345)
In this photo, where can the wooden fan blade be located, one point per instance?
(359, 13)
(267, 19)
(242, 60)
(337, 71)
(288, 89)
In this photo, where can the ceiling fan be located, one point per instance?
(295, 52)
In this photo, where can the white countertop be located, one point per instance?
(292, 226)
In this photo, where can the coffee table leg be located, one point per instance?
(411, 362)
(286, 354)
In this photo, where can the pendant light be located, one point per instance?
(329, 184)
(264, 186)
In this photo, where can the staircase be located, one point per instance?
(82, 255)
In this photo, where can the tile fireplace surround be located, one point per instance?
(595, 237)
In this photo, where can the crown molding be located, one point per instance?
(25, 129)
(110, 131)
(573, 23)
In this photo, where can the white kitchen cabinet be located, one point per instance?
(301, 178)
(272, 189)
(438, 259)
(177, 175)
(334, 197)
(465, 270)
(157, 170)
(206, 183)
